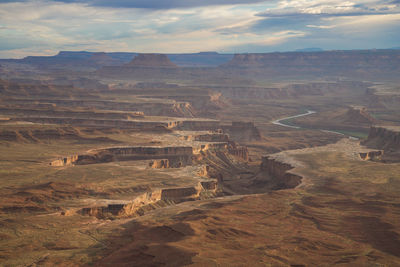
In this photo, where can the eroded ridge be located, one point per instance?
(281, 172)
(197, 160)
(151, 200)
(180, 154)
(387, 140)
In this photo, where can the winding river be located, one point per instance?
(309, 112)
(280, 121)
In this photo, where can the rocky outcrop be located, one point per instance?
(65, 161)
(172, 162)
(372, 155)
(386, 139)
(279, 171)
(160, 164)
(130, 208)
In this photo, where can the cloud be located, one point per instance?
(321, 26)
(318, 8)
(153, 4)
(193, 26)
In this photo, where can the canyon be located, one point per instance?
(204, 159)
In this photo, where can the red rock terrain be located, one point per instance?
(150, 164)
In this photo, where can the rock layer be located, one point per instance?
(151, 200)
(280, 171)
(180, 155)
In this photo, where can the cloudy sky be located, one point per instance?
(43, 27)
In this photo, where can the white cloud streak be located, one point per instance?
(44, 27)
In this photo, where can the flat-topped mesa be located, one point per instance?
(279, 171)
(177, 155)
(151, 61)
(387, 140)
(152, 200)
(331, 59)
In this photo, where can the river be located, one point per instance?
(309, 112)
(280, 121)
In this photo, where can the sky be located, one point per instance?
(44, 27)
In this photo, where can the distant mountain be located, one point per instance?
(310, 49)
(366, 64)
(84, 59)
(151, 61)
(202, 59)
(374, 64)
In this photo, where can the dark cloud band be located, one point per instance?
(152, 4)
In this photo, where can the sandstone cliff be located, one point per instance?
(280, 173)
(386, 139)
(151, 200)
